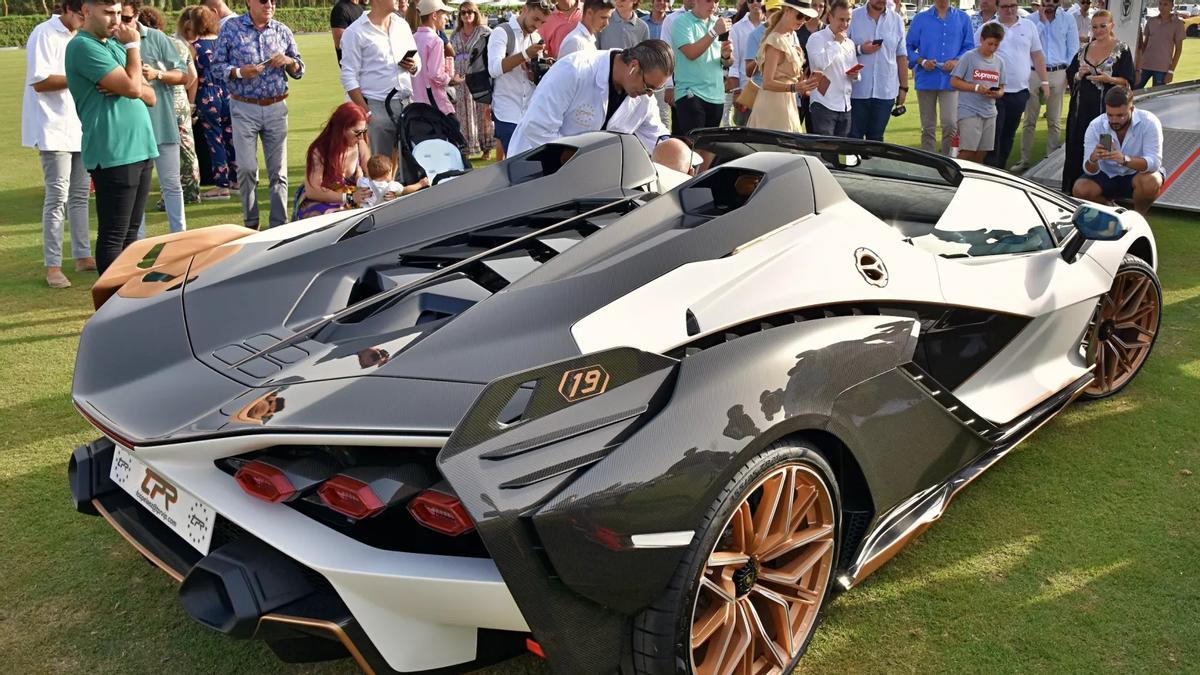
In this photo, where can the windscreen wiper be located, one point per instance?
(426, 280)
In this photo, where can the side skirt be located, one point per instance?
(917, 513)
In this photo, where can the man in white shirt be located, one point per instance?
(596, 14)
(1081, 11)
(1059, 35)
(878, 34)
(1122, 152)
(379, 58)
(511, 46)
(1021, 50)
(625, 29)
(832, 53)
(608, 90)
(50, 124)
(743, 51)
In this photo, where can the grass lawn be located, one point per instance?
(1076, 554)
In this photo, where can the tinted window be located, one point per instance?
(986, 218)
(1056, 215)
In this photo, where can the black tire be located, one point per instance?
(662, 632)
(1193, 30)
(1105, 386)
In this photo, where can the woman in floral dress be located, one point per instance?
(212, 98)
(471, 35)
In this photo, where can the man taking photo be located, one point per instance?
(511, 47)
(1123, 151)
(609, 90)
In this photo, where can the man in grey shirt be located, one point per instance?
(624, 29)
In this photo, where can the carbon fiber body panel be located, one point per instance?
(563, 544)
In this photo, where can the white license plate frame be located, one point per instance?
(177, 508)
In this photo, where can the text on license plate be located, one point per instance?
(177, 508)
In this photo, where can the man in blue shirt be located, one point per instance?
(1060, 42)
(878, 35)
(255, 55)
(937, 37)
(1123, 154)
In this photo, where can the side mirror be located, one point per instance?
(1091, 224)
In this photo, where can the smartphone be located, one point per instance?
(993, 88)
(1106, 142)
(409, 54)
(723, 37)
(877, 42)
(263, 63)
(854, 70)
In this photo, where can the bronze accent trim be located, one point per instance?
(171, 572)
(329, 627)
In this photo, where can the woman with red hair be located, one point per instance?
(336, 159)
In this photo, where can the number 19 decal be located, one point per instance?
(582, 383)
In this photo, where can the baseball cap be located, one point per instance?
(427, 7)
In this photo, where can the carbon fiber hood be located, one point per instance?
(242, 345)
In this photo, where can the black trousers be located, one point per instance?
(1009, 110)
(692, 112)
(120, 202)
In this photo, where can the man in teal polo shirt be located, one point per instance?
(700, 59)
(163, 69)
(104, 75)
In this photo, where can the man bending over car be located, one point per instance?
(595, 91)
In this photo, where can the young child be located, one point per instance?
(379, 180)
(979, 79)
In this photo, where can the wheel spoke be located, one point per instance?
(1134, 299)
(718, 615)
(802, 538)
(1136, 315)
(764, 515)
(781, 614)
(797, 568)
(766, 645)
(743, 528)
(1129, 346)
(792, 592)
(1138, 328)
(725, 594)
(727, 558)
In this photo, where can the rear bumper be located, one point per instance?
(391, 611)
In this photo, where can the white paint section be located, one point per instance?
(663, 539)
(1044, 358)
(810, 262)
(421, 611)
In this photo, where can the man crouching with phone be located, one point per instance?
(256, 55)
(1123, 151)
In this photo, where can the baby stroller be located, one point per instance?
(431, 144)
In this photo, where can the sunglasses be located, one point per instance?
(266, 2)
(1008, 6)
(128, 19)
(360, 132)
(466, 12)
(647, 89)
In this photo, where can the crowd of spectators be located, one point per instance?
(112, 97)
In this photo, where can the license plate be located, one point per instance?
(177, 508)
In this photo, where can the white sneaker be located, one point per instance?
(1019, 167)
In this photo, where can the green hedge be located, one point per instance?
(14, 30)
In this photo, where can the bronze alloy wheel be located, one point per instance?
(1125, 327)
(764, 582)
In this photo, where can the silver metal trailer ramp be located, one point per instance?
(1178, 107)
